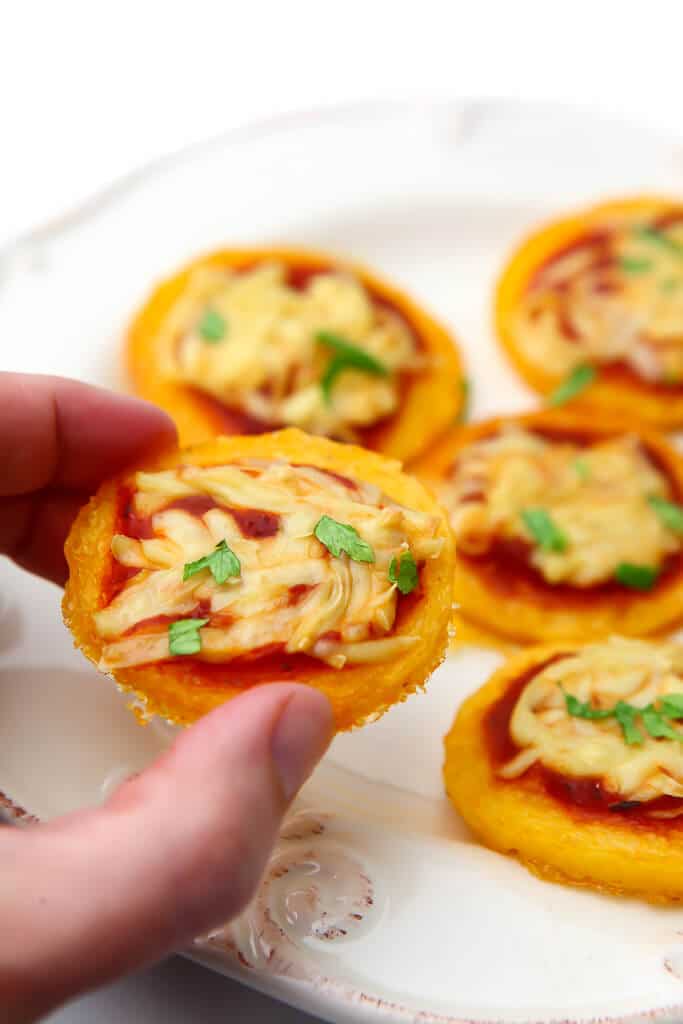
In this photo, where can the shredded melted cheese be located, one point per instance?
(634, 671)
(269, 364)
(618, 298)
(595, 495)
(291, 591)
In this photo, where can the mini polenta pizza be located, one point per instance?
(571, 525)
(590, 310)
(572, 760)
(244, 342)
(251, 559)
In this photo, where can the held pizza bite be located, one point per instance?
(572, 526)
(251, 559)
(590, 309)
(572, 760)
(246, 341)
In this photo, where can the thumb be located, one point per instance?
(177, 850)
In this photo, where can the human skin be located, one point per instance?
(179, 848)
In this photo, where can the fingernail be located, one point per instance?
(300, 738)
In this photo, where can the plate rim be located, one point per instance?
(255, 129)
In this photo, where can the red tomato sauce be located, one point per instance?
(265, 664)
(584, 797)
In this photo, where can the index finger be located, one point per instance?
(58, 440)
(59, 433)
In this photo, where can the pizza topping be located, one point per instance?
(404, 573)
(325, 357)
(670, 513)
(544, 531)
(183, 636)
(346, 357)
(581, 515)
(319, 584)
(637, 577)
(222, 563)
(212, 326)
(610, 712)
(576, 381)
(655, 718)
(340, 538)
(611, 297)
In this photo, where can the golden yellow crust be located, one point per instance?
(533, 613)
(617, 395)
(431, 399)
(555, 842)
(359, 693)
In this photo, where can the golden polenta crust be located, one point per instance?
(430, 401)
(536, 618)
(520, 819)
(358, 694)
(631, 398)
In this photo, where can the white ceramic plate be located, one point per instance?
(387, 910)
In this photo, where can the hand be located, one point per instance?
(179, 848)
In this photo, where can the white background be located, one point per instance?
(89, 91)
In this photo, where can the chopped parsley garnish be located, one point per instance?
(345, 357)
(669, 285)
(183, 636)
(340, 538)
(574, 383)
(582, 469)
(626, 715)
(403, 572)
(544, 531)
(669, 512)
(222, 562)
(651, 234)
(579, 709)
(656, 724)
(466, 399)
(633, 265)
(637, 577)
(672, 705)
(212, 326)
(656, 720)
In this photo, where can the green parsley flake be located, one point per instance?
(183, 636)
(578, 709)
(657, 725)
(404, 573)
(669, 285)
(544, 531)
(633, 265)
(655, 720)
(582, 469)
(637, 577)
(626, 715)
(672, 705)
(340, 538)
(651, 234)
(212, 326)
(222, 562)
(574, 383)
(669, 512)
(345, 357)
